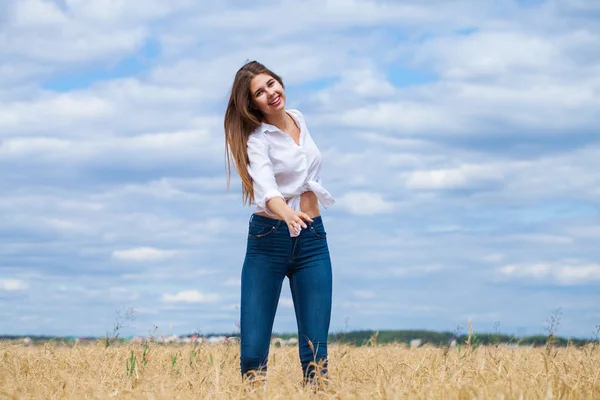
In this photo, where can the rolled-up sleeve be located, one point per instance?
(260, 169)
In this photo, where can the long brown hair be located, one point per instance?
(241, 119)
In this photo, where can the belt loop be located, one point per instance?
(251, 217)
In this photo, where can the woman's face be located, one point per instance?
(268, 94)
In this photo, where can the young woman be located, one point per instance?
(279, 166)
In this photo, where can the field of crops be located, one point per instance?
(155, 371)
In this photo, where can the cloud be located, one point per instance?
(83, 31)
(143, 254)
(137, 151)
(491, 82)
(532, 270)
(191, 296)
(64, 110)
(365, 203)
(461, 177)
(13, 285)
(286, 302)
(356, 85)
(567, 272)
(490, 54)
(329, 15)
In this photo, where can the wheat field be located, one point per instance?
(387, 371)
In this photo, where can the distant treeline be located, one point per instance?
(367, 337)
(371, 337)
(444, 338)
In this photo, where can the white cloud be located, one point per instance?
(461, 177)
(286, 302)
(80, 31)
(37, 13)
(191, 296)
(365, 203)
(490, 54)
(143, 254)
(578, 273)
(491, 109)
(322, 16)
(170, 189)
(403, 117)
(569, 174)
(531, 270)
(57, 110)
(67, 226)
(568, 272)
(136, 151)
(366, 84)
(493, 81)
(13, 285)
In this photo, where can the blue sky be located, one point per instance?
(460, 140)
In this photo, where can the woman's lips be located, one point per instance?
(276, 101)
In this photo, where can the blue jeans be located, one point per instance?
(271, 255)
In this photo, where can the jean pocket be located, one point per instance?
(318, 231)
(259, 231)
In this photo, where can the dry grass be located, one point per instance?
(382, 371)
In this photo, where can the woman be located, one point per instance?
(279, 165)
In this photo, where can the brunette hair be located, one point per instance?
(241, 119)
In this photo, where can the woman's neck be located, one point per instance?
(280, 120)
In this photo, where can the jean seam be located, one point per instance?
(274, 228)
(263, 234)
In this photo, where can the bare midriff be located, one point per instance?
(309, 204)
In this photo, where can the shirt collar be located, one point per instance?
(264, 127)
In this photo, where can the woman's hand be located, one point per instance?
(295, 220)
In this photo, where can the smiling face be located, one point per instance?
(268, 94)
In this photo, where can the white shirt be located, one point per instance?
(281, 168)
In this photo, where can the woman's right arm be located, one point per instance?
(260, 169)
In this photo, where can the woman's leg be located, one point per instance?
(311, 286)
(267, 259)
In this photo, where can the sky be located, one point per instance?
(460, 139)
